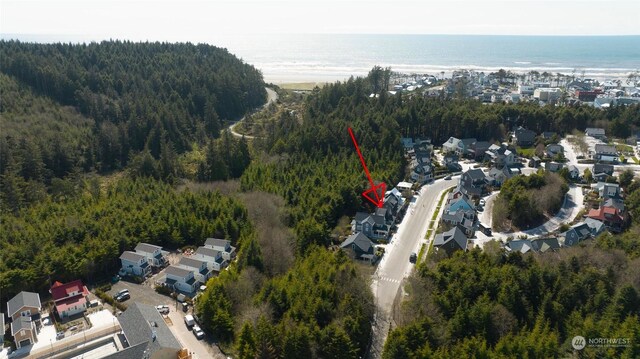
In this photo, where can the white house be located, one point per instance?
(213, 257)
(201, 271)
(222, 245)
(180, 279)
(153, 253)
(135, 264)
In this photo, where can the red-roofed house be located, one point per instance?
(69, 298)
(611, 216)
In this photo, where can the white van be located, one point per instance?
(189, 321)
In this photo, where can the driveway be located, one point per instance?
(142, 293)
(200, 349)
(395, 265)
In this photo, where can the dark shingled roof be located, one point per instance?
(360, 240)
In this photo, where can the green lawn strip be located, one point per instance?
(433, 219)
(635, 160)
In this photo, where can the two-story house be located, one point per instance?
(214, 258)
(611, 214)
(497, 176)
(473, 183)
(134, 264)
(223, 245)
(606, 154)
(524, 137)
(451, 241)
(153, 253)
(459, 146)
(24, 311)
(500, 156)
(601, 171)
(359, 246)
(477, 150)
(607, 190)
(595, 133)
(553, 166)
(373, 226)
(554, 149)
(180, 279)
(575, 234)
(70, 298)
(201, 271)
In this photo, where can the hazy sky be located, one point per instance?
(191, 20)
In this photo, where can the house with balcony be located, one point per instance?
(70, 298)
(473, 183)
(524, 137)
(612, 215)
(601, 171)
(224, 246)
(500, 156)
(374, 226)
(153, 253)
(201, 271)
(213, 257)
(134, 264)
(606, 154)
(24, 310)
(180, 279)
(459, 146)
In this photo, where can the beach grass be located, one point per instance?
(301, 86)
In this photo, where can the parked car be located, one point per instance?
(163, 309)
(447, 177)
(198, 332)
(189, 321)
(482, 202)
(121, 293)
(59, 335)
(122, 297)
(413, 257)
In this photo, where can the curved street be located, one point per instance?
(272, 96)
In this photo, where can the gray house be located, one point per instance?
(524, 137)
(451, 241)
(595, 225)
(554, 149)
(606, 153)
(372, 225)
(222, 245)
(146, 333)
(519, 245)
(543, 245)
(134, 264)
(553, 166)
(473, 183)
(577, 233)
(359, 246)
(595, 133)
(601, 171)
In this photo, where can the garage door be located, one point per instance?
(25, 343)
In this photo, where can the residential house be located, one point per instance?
(451, 241)
(606, 153)
(601, 171)
(519, 245)
(24, 311)
(373, 226)
(454, 194)
(500, 156)
(393, 203)
(612, 217)
(153, 253)
(575, 234)
(473, 183)
(554, 149)
(223, 245)
(574, 172)
(524, 137)
(180, 279)
(553, 166)
(459, 146)
(595, 133)
(498, 176)
(543, 245)
(465, 219)
(595, 225)
(70, 298)
(200, 268)
(24, 332)
(547, 94)
(134, 264)
(461, 202)
(214, 258)
(147, 335)
(477, 150)
(405, 189)
(422, 171)
(534, 162)
(360, 246)
(607, 190)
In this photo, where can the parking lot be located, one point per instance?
(200, 349)
(142, 293)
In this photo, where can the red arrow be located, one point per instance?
(379, 198)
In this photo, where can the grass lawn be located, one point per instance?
(624, 148)
(526, 152)
(635, 160)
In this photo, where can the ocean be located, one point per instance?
(330, 57)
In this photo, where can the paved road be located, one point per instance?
(395, 265)
(272, 96)
(199, 348)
